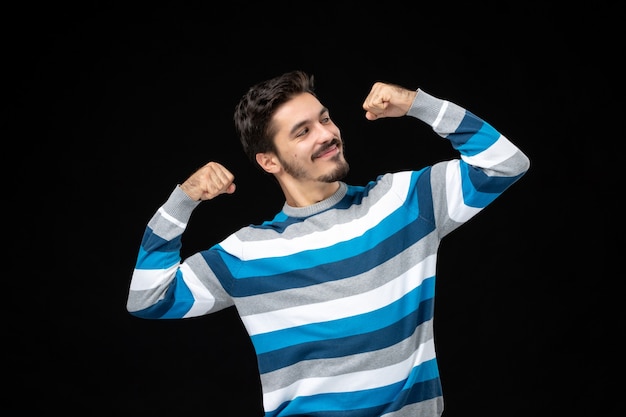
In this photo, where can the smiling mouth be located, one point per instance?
(333, 146)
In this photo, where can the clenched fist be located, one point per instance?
(387, 100)
(208, 182)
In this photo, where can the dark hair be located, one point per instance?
(254, 112)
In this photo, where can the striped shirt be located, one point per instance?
(337, 297)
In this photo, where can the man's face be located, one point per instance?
(308, 143)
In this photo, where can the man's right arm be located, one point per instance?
(208, 182)
(160, 285)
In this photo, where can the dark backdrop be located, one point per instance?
(115, 104)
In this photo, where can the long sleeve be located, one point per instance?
(157, 288)
(489, 162)
(338, 297)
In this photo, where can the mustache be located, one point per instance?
(335, 142)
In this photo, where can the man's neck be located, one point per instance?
(308, 193)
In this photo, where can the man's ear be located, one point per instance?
(268, 162)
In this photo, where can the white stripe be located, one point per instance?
(203, 299)
(442, 111)
(145, 279)
(351, 382)
(457, 209)
(338, 233)
(171, 219)
(342, 307)
(500, 151)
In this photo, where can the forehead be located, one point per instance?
(300, 109)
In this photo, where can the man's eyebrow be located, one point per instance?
(297, 126)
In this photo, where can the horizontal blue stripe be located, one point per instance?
(340, 269)
(350, 326)
(479, 189)
(354, 195)
(279, 224)
(184, 299)
(309, 259)
(157, 253)
(473, 135)
(390, 225)
(422, 384)
(345, 346)
(177, 302)
(344, 266)
(151, 241)
(471, 178)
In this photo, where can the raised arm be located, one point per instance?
(153, 291)
(489, 162)
(208, 182)
(387, 100)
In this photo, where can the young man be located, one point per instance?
(336, 292)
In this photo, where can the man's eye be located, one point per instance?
(325, 120)
(302, 133)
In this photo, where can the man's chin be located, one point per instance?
(337, 174)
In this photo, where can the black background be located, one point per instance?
(116, 103)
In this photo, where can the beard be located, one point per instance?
(339, 172)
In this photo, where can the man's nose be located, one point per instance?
(326, 133)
